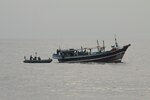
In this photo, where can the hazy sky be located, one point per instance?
(73, 18)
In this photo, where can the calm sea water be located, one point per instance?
(129, 80)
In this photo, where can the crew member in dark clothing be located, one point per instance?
(31, 58)
(39, 58)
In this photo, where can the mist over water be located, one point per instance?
(129, 80)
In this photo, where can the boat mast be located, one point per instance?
(81, 48)
(116, 41)
(103, 45)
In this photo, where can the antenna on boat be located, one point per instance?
(35, 53)
(59, 47)
(116, 41)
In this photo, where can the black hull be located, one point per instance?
(38, 61)
(109, 56)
